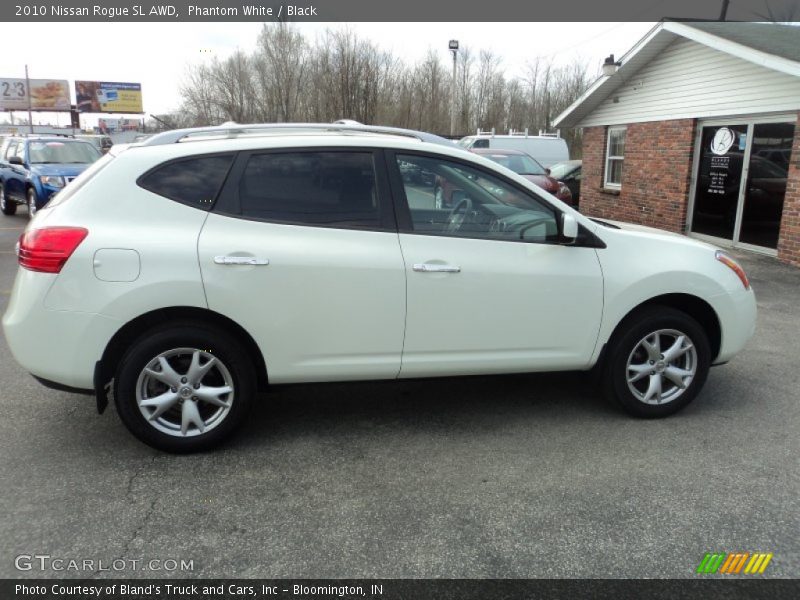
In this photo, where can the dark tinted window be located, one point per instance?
(311, 188)
(483, 143)
(194, 181)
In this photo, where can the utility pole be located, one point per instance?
(453, 47)
(724, 12)
(28, 92)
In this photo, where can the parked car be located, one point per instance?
(34, 168)
(190, 271)
(570, 172)
(102, 142)
(546, 149)
(530, 169)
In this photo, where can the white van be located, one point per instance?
(547, 149)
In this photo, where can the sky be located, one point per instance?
(157, 55)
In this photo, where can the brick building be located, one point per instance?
(695, 130)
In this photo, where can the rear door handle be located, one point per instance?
(240, 260)
(429, 268)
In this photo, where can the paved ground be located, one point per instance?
(523, 476)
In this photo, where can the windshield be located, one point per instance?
(561, 170)
(56, 151)
(519, 163)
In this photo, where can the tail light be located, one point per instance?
(47, 250)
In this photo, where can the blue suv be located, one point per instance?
(34, 168)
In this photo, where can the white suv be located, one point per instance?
(186, 273)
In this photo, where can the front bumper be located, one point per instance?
(737, 316)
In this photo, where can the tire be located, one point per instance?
(8, 207)
(184, 421)
(658, 361)
(30, 197)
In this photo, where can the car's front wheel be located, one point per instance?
(184, 388)
(657, 362)
(6, 206)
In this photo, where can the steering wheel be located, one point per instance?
(458, 215)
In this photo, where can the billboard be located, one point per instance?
(108, 96)
(44, 94)
(117, 125)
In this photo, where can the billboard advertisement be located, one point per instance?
(44, 94)
(117, 125)
(108, 96)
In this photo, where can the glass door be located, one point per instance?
(741, 181)
(766, 183)
(719, 180)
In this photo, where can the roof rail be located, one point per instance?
(234, 130)
(518, 133)
(545, 133)
(486, 132)
(39, 135)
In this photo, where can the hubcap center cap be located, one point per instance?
(186, 392)
(660, 366)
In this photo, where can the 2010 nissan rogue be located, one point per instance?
(187, 272)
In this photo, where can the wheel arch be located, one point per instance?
(694, 306)
(133, 329)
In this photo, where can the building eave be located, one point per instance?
(650, 46)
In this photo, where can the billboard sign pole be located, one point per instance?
(30, 108)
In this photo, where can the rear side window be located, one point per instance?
(192, 181)
(69, 190)
(333, 189)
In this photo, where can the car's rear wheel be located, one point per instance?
(184, 388)
(31, 200)
(657, 362)
(6, 206)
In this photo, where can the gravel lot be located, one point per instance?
(502, 477)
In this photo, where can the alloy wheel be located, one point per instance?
(185, 392)
(32, 203)
(661, 366)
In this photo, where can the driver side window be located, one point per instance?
(452, 199)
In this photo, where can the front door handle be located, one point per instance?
(430, 268)
(240, 260)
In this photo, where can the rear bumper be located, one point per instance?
(62, 388)
(60, 347)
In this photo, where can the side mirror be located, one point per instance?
(547, 171)
(15, 160)
(569, 227)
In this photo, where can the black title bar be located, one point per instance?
(397, 589)
(407, 10)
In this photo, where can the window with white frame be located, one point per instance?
(615, 152)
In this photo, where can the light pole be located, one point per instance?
(453, 47)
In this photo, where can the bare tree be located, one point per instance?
(280, 72)
(339, 75)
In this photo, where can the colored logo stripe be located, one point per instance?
(711, 562)
(758, 563)
(733, 563)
